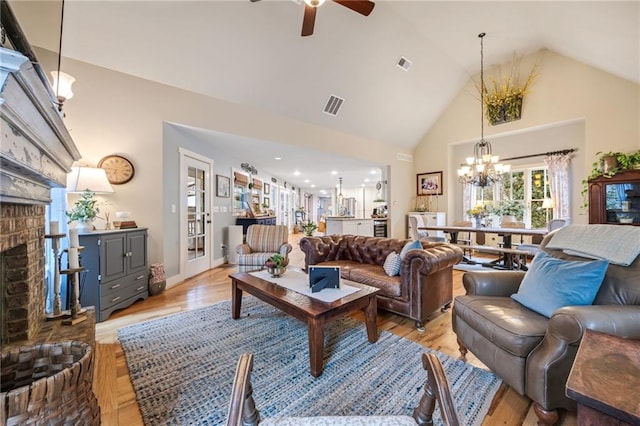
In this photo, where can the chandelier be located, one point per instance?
(483, 168)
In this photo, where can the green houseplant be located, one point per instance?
(607, 165)
(84, 211)
(508, 207)
(276, 265)
(308, 227)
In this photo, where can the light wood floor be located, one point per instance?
(116, 395)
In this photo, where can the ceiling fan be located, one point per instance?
(363, 7)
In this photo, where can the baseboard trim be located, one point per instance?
(179, 278)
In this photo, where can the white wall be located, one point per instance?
(566, 92)
(113, 112)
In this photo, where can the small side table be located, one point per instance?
(605, 379)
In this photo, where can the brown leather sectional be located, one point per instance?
(425, 283)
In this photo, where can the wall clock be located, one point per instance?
(119, 169)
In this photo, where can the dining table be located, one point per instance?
(506, 233)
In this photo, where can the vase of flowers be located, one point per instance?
(84, 212)
(276, 265)
(478, 213)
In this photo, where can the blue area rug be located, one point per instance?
(182, 368)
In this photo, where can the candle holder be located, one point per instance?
(57, 302)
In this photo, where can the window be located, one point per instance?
(529, 185)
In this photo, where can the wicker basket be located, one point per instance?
(48, 384)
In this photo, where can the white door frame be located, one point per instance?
(206, 263)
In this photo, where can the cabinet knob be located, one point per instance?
(115, 299)
(116, 286)
(140, 277)
(140, 288)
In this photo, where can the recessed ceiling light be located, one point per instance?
(277, 158)
(362, 185)
(322, 191)
(296, 173)
(333, 172)
(374, 172)
(366, 180)
(306, 181)
(313, 185)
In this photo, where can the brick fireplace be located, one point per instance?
(36, 153)
(22, 266)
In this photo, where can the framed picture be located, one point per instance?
(265, 202)
(266, 188)
(430, 183)
(223, 184)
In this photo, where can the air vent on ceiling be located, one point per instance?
(333, 105)
(404, 157)
(404, 63)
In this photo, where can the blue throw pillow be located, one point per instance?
(552, 283)
(392, 264)
(411, 245)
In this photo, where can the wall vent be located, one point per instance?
(333, 105)
(404, 157)
(404, 63)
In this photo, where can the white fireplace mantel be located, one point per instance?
(36, 150)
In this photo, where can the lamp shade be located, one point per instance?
(547, 203)
(62, 85)
(88, 179)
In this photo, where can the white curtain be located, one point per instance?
(559, 185)
(466, 200)
(55, 212)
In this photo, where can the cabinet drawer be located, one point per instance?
(116, 291)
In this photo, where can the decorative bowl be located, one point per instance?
(276, 272)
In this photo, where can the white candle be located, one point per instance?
(54, 227)
(74, 262)
(74, 241)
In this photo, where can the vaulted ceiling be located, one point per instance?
(253, 54)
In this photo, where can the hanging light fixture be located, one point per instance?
(340, 196)
(483, 168)
(314, 3)
(61, 81)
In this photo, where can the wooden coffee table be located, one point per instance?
(312, 311)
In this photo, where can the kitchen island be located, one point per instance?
(349, 225)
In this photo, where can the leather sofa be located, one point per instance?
(425, 283)
(532, 353)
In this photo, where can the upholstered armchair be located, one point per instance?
(262, 242)
(242, 408)
(533, 353)
(418, 234)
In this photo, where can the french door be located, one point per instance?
(196, 228)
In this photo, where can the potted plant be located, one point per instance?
(504, 94)
(308, 227)
(84, 211)
(276, 265)
(608, 165)
(508, 209)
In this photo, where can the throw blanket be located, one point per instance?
(619, 245)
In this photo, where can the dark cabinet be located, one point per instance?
(247, 221)
(615, 200)
(116, 270)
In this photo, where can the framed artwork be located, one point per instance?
(266, 188)
(265, 202)
(430, 183)
(223, 184)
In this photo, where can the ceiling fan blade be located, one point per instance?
(309, 20)
(363, 7)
